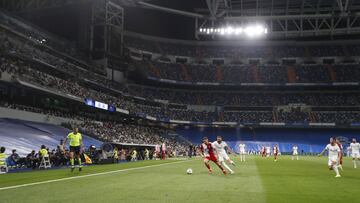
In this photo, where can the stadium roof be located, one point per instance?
(283, 18)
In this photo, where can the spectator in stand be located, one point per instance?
(32, 160)
(15, 160)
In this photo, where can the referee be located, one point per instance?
(76, 143)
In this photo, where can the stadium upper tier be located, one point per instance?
(236, 51)
(26, 71)
(267, 73)
(57, 46)
(20, 71)
(236, 63)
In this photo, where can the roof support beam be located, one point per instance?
(170, 10)
(213, 6)
(281, 17)
(343, 5)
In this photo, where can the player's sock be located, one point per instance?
(72, 162)
(233, 163)
(227, 167)
(244, 158)
(354, 161)
(222, 168)
(336, 169)
(297, 158)
(79, 160)
(207, 166)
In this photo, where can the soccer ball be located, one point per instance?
(189, 171)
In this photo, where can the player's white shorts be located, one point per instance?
(223, 157)
(242, 152)
(355, 155)
(295, 153)
(332, 159)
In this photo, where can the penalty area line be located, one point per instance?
(88, 175)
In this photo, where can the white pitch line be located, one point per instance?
(89, 175)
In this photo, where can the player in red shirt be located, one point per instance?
(341, 153)
(263, 151)
(276, 152)
(207, 152)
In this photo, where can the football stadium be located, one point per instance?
(254, 101)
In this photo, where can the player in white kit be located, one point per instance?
(295, 153)
(334, 156)
(355, 151)
(242, 147)
(268, 151)
(221, 148)
(348, 151)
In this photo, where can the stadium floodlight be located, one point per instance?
(222, 31)
(229, 30)
(251, 31)
(238, 31)
(254, 30)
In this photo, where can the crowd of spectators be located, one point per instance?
(64, 113)
(163, 112)
(267, 73)
(74, 82)
(70, 86)
(112, 131)
(27, 48)
(45, 40)
(235, 51)
(236, 98)
(134, 134)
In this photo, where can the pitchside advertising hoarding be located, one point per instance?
(100, 105)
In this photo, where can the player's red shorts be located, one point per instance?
(211, 158)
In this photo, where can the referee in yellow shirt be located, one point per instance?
(76, 144)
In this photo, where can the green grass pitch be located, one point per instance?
(256, 180)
